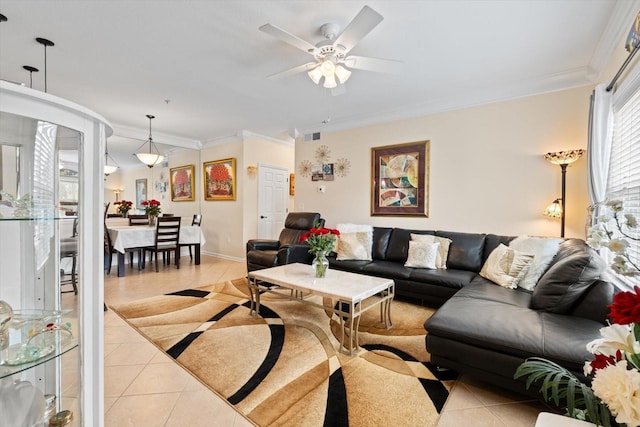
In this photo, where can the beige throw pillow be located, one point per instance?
(422, 255)
(543, 249)
(354, 246)
(506, 266)
(443, 249)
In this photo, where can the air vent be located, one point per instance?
(312, 137)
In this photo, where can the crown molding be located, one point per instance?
(158, 137)
(619, 24)
(555, 82)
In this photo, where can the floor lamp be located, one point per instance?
(562, 158)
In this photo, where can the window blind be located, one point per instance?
(624, 170)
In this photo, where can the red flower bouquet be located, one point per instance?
(151, 207)
(124, 206)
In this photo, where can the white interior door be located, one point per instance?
(273, 200)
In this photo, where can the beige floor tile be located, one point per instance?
(118, 378)
(149, 410)
(159, 378)
(462, 398)
(241, 421)
(122, 334)
(108, 403)
(131, 354)
(476, 417)
(201, 409)
(518, 414)
(160, 357)
(109, 347)
(490, 395)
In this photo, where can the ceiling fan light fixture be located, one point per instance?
(328, 68)
(151, 157)
(330, 82)
(342, 74)
(316, 74)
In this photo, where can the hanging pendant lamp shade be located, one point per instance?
(151, 156)
(110, 165)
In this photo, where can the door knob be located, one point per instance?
(262, 217)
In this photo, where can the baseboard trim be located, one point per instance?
(223, 256)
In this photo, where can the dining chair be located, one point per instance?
(197, 220)
(109, 250)
(166, 241)
(138, 220)
(106, 209)
(69, 249)
(167, 214)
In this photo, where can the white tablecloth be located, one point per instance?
(140, 235)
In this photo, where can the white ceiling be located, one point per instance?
(123, 59)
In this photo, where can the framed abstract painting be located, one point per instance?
(400, 179)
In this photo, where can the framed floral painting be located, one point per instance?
(182, 183)
(220, 179)
(400, 179)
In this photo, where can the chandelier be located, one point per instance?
(152, 156)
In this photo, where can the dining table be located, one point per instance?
(125, 236)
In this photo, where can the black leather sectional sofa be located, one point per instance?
(483, 329)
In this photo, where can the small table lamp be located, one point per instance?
(562, 158)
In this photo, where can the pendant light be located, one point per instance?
(109, 167)
(151, 157)
(31, 70)
(46, 43)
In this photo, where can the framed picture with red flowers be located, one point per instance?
(220, 179)
(182, 183)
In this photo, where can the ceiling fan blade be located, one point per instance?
(295, 70)
(373, 64)
(288, 38)
(365, 21)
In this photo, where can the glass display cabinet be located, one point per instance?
(51, 252)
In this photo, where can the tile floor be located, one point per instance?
(143, 387)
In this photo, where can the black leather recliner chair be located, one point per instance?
(262, 253)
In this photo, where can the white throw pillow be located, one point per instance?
(360, 247)
(543, 249)
(422, 255)
(443, 249)
(506, 266)
(354, 246)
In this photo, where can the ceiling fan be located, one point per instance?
(332, 58)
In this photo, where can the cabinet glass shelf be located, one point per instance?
(7, 371)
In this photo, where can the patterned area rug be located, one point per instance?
(284, 368)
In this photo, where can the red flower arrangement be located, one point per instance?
(320, 240)
(124, 206)
(151, 207)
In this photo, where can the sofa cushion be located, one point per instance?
(449, 278)
(443, 249)
(388, 269)
(398, 248)
(543, 249)
(506, 266)
(422, 255)
(504, 323)
(568, 277)
(466, 250)
(355, 266)
(380, 243)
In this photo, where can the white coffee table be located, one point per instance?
(355, 293)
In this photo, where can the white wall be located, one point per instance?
(266, 152)
(487, 171)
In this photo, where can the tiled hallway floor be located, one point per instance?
(143, 387)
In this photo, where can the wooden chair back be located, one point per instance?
(167, 232)
(197, 219)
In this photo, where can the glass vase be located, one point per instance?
(320, 264)
(152, 220)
